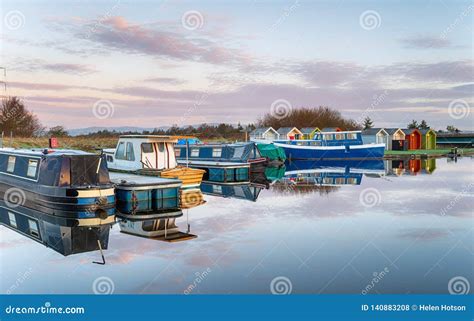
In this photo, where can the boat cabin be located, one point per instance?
(136, 152)
(238, 153)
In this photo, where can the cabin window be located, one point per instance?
(340, 180)
(329, 137)
(217, 189)
(216, 152)
(120, 153)
(177, 152)
(351, 136)
(147, 148)
(327, 180)
(161, 147)
(130, 154)
(12, 218)
(238, 152)
(33, 225)
(352, 181)
(11, 164)
(32, 168)
(194, 152)
(339, 136)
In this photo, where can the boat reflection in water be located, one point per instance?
(161, 225)
(64, 235)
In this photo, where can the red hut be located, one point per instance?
(412, 138)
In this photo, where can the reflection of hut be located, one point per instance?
(308, 132)
(414, 165)
(428, 165)
(396, 139)
(377, 136)
(428, 139)
(290, 133)
(412, 138)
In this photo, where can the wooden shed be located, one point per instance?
(396, 138)
(290, 133)
(376, 136)
(309, 132)
(412, 139)
(428, 139)
(267, 133)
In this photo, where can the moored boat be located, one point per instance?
(331, 145)
(151, 155)
(65, 183)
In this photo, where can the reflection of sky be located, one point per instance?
(322, 243)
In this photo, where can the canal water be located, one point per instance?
(401, 228)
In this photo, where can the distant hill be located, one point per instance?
(90, 130)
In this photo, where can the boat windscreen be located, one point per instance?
(87, 170)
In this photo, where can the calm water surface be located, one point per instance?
(390, 234)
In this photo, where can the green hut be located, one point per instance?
(428, 139)
(309, 132)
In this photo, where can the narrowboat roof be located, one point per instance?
(373, 131)
(42, 152)
(155, 138)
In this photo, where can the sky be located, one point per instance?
(85, 63)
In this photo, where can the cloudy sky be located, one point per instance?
(156, 63)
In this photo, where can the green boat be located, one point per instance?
(272, 152)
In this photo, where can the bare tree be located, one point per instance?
(16, 119)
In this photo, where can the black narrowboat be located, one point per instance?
(64, 183)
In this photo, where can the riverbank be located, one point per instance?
(428, 152)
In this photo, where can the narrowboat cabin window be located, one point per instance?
(340, 180)
(339, 136)
(177, 152)
(11, 164)
(32, 168)
(161, 147)
(195, 152)
(34, 230)
(147, 148)
(352, 180)
(125, 153)
(351, 136)
(12, 219)
(216, 152)
(328, 137)
(238, 152)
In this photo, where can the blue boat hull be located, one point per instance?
(368, 151)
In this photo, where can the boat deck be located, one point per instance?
(135, 182)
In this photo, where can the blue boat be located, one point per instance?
(64, 183)
(331, 145)
(249, 192)
(223, 163)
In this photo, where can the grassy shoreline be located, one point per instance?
(433, 152)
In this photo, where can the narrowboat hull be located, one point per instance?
(64, 235)
(364, 151)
